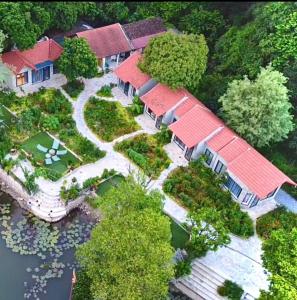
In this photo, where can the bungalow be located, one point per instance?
(109, 43)
(131, 80)
(141, 32)
(33, 65)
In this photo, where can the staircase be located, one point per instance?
(201, 284)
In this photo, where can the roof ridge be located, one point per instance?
(25, 59)
(128, 40)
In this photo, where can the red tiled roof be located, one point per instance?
(188, 105)
(195, 126)
(142, 42)
(221, 139)
(160, 99)
(128, 71)
(106, 41)
(257, 173)
(42, 51)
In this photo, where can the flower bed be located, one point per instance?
(109, 120)
(146, 152)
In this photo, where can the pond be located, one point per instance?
(36, 258)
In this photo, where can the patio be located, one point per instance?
(147, 123)
(176, 154)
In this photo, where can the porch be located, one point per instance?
(111, 62)
(176, 154)
(147, 123)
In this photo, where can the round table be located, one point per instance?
(52, 152)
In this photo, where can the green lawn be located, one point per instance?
(109, 120)
(106, 185)
(6, 115)
(179, 235)
(42, 138)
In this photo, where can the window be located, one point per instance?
(179, 142)
(55, 69)
(21, 78)
(209, 156)
(150, 113)
(219, 167)
(247, 198)
(233, 187)
(37, 75)
(133, 91)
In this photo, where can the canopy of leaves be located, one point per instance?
(129, 255)
(259, 110)
(77, 59)
(176, 60)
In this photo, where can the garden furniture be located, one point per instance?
(41, 148)
(55, 158)
(48, 161)
(56, 145)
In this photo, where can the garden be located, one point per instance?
(6, 117)
(197, 187)
(109, 120)
(74, 88)
(145, 151)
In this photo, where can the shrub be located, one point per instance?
(51, 123)
(47, 173)
(105, 91)
(108, 173)
(74, 88)
(71, 193)
(182, 268)
(138, 158)
(164, 135)
(231, 290)
(93, 181)
(137, 106)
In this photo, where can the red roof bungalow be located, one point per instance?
(109, 43)
(33, 65)
(131, 80)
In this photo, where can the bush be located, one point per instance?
(74, 88)
(108, 173)
(164, 135)
(71, 193)
(50, 123)
(137, 106)
(47, 173)
(138, 158)
(182, 268)
(93, 181)
(105, 91)
(231, 290)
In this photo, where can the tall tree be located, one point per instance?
(259, 110)
(4, 72)
(77, 59)
(129, 254)
(176, 60)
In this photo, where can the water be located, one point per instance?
(13, 266)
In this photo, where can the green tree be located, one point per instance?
(129, 254)
(259, 110)
(176, 60)
(207, 232)
(111, 12)
(4, 72)
(77, 59)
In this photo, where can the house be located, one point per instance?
(31, 66)
(131, 80)
(141, 32)
(109, 43)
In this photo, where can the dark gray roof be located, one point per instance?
(143, 28)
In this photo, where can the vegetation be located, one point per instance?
(77, 60)
(146, 152)
(231, 290)
(137, 106)
(105, 91)
(74, 88)
(164, 135)
(182, 268)
(197, 187)
(109, 120)
(265, 116)
(71, 193)
(30, 184)
(162, 58)
(118, 274)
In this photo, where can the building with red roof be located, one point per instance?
(32, 65)
(131, 80)
(110, 44)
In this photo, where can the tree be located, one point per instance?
(176, 60)
(4, 72)
(77, 59)
(259, 110)
(207, 232)
(129, 254)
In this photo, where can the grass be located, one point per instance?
(106, 185)
(179, 235)
(109, 120)
(146, 152)
(74, 88)
(45, 140)
(6, 116)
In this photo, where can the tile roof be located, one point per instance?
(106, 41)
(160, 99)
(142, 42)
(195, 125)
(144, 28)
(257, 173)
(128, 71)
(221, 139)
(43, 51)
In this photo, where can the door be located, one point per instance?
(46, 73)
(37, 76)
(159, 122)
(189, 153)
(126, 88)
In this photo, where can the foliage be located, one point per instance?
(207, 231)
(231, 290)
(164, 135)
(137, 106)
(148, 147)
(199, 187)
(30, 184)
(176, 60)
(77, 59)
(74, 88)
(279, 218)
(51, 123)
(71, 193)
(247, 108)
(108, 120)
(2, 39)
(105, 91)
(81, 289)
(108, 173)
(182, 268)
(91, 182)
(141, 266)
(47, 173)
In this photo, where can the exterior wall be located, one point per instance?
(169, 115)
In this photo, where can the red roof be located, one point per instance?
(42, 51)
(195, 125)
(188, 105)
(128, 71)
(142, 42)
(160, 99)
(221, 139)
(106, 41)
(257, 173)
